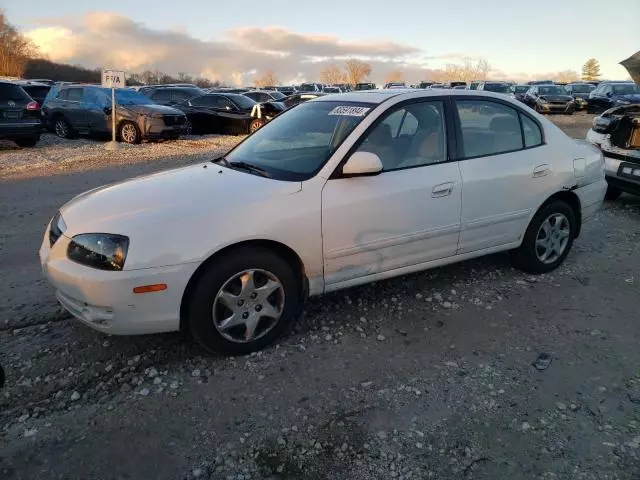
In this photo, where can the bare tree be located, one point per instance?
(566, 76)
(356, 71)
(267, 79)
(184, 77)
(15, 49)
(331, 74)
(394, 76)
(467, 71)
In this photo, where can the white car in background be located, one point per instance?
(336, 192)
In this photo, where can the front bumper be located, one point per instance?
(105, 301)
(580, 104)
(556, 108)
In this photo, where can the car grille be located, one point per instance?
(54, 230)
(559, 103)
(171, 120)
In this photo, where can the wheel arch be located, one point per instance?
(286, 252)
(571, 199)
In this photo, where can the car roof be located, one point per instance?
(380, 96)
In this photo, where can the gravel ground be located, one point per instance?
(472, 371)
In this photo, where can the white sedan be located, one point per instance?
(336, 192)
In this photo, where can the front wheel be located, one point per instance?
(244, 302)
(129, 133)
(62, 127)
(548, 238)
(255, 125)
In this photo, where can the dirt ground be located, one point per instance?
(472, 371)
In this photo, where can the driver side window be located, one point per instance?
(411, 136)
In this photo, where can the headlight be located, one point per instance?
(103, 251)
(57, 228)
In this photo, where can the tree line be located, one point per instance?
(20, 58)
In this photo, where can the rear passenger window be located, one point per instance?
(75, 94)
(488, 128)
(161, 96)
(532, 133)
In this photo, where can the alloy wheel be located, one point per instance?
(61, 128)
(248, 305)
(553, 237)
(129, 133)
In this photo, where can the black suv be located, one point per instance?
(76, 109)
(19, 116)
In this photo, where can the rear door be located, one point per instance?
(75, 111)
(507, 171)
(95, 103)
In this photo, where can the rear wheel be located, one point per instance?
(188, 127)
(548, 238)
(244, 302)
(129, 133)
(255, 125)
(27, 142)
(612, 193)
(62, 127)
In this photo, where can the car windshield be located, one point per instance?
(307, 87)
(277, 95)
(552, 90)
(496, 87)
(520, 88)
(129, 97)
(582, 88)
(242, 101)
(295, 145)
(625, 89)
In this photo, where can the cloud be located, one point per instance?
(105, 39)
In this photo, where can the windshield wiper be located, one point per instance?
(242, 166)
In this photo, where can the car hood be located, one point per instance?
(556, 98)
(631, 97)
(206, 190)
(152, 110)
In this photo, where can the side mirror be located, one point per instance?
(107, 110)
(362, 164)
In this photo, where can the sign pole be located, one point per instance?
(113, 145)
(111, 79)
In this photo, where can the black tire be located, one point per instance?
(62, 128)
(525, 257)
(590, 110)
(27, 142)
(201, 318)
(255, 125)
(612, 193)
(129, 133)
(188, 128)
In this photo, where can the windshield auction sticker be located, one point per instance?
(350, 111)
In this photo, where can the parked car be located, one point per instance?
(474, 85)
(617, 133)
(395, 85)
(228, 113)
(364, 86)
(337, 192)
(540, 82)
(170, 95)
(73, 110)
(580, 92)
(459, 87)
(424, 85)
(272, 109)
(496, 87)
(612, 94)
(19, 116)
(227, 90)
(519, 92)
(36, 90)
(46, 81)
(309, 87)
(458, 84)
(437, 86)
(262, 96)
(549, 99)
(329, 89)
(287, 90)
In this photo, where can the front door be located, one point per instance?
(506, 170)
(405, 216)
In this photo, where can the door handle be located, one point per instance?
(541, 170)
(442, 190)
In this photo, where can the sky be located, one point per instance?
(232, 41)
